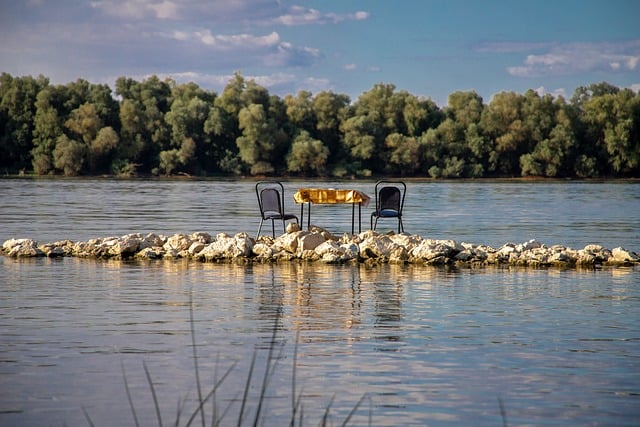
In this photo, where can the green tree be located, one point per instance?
(613, 124)
(503, 127)
(144, 132)
(330, 111)
(260, 139)
(308, 156)
(18, 97)
(69, 155)
(187, 116)
(405, 154)
(48, 127)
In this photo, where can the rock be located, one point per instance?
(22, 248)
(201, 237)
(292, 227)
(288, 242)
(127, 245)
(369, 247)
(309, 241)
(623, 255)
(227, 247)
(195, 248)
(152, 240)
(262, 251)
(351, 251)
(154, 252)
(376, 247)
(179, 242)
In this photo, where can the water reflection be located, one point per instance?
(429, 346)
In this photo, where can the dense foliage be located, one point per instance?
(163, 128)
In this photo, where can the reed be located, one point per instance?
(244, 418)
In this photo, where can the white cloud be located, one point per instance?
(138, 9)
(227, 42)
(555, 93)
(298, 15)
(280, 83)
(350, 67)
(562, 59)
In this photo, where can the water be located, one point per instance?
(424, 346)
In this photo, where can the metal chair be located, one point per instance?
(389, 202)
(270, 200)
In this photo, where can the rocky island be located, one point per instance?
(319, 245)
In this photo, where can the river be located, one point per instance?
(402, 345)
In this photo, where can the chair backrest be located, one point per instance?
(270, 198)
(270, 203)
(390, 196)
(389, 199)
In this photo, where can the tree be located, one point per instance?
(144, 132)
(259, 141)
(406, 153)
(307, 155)
(69, 155)
(17, 117)
(613, 123)
(503, 126)
(187, 116)
(330, 110)
(465, 108)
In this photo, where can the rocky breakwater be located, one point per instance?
(319, 245)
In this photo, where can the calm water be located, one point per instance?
(424, 346)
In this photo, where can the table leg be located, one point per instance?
(353, 215)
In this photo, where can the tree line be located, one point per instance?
(159, 127)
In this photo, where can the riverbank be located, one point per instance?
(319, 245)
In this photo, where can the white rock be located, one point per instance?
(623, 255)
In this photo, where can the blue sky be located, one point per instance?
(430, 48)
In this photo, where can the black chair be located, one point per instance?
(270, 200)
(389, 202)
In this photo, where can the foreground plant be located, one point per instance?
(273, 355)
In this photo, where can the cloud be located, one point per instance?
(298, 15)
(138, 9)
(277, 83)
(571, 58)
(268, 49)
(236, 41)
(555, 93)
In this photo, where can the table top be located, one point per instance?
(330, 196)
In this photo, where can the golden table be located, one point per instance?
(332, 196)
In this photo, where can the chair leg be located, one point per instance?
(260, 228)
(273, 228)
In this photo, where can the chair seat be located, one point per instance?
(388, 213)
(278, 216)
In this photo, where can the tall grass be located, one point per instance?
(258, 417)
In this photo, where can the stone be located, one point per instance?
(376, 246)
(369, 247)
(288, 242)
(309, 241)
(292, 227)
(154, 252)
(623, 255)
(152, 240)
(201, 237)
(179, 242)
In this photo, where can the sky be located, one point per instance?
(430, 48)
